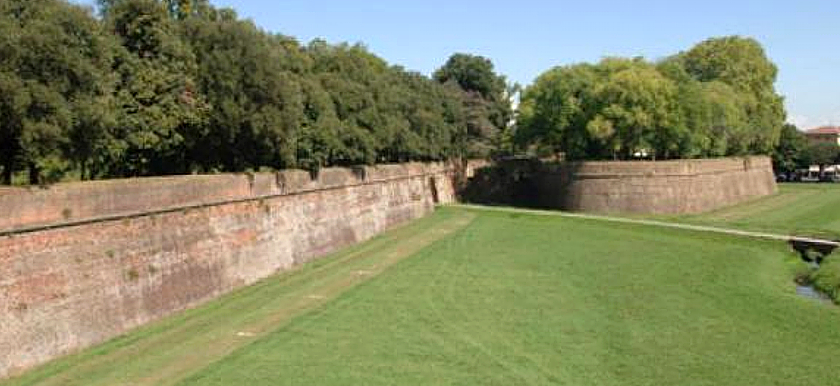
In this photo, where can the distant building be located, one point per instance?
(825, 134)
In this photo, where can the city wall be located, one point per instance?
(81, 263)
(639, 187)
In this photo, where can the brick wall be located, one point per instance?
(663, 187)
(82, 263)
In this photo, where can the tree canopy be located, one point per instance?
(489, 98)
(54, 60)
(819, 154)
(155, 87)
(790, 153)
(716, 99)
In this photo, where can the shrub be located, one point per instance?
(132, 274)
(799, 269)
(827, 278)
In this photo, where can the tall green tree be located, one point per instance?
(179, 9)
(161, 112)
(821, 154)
(487, 98)
(742, 64)
(717, 99)
(788, 154)
(54, 85)
(248, 77)
(556, 109)
(615, 109)
(635, 111)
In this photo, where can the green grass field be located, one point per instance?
(799, 209)
(473, 297)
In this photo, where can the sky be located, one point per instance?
(526, 37)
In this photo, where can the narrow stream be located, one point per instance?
(808, 291)
(813, 254)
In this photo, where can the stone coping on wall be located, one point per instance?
(29, 209)
(670, 168)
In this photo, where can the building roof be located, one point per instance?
(824, 130)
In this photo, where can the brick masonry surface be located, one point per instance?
(82, 263)
(663, 187)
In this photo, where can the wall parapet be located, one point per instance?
(31, 209)
(670, 168)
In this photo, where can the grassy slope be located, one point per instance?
(518, 299)
(798, 209)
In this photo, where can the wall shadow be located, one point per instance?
(517, 182)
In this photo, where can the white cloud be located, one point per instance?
(804, 122)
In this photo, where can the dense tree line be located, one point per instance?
(155, 87)
(795, 151)
(717, 99)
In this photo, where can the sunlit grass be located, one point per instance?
(799, 209)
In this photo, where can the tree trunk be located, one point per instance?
(34, 174)
(7, 173)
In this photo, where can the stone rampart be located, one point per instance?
(82, 263)
(661, 187)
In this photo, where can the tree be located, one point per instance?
(247, 76)
(821, 154)
(487, 97)
(473, 73)
(788, 154)
(717, 99)
(178, 86)
(742, 64)
(53, 62)
(179, 9)
(637, 112)
(615, 109)
(556, 109)
(161, 111)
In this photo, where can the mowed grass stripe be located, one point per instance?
(167, 351)
(520, 299)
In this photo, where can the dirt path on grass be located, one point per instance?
(664, 224)
(169, 351)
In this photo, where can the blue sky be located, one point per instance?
(527, 37)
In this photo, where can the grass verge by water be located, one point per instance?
(826, 279)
